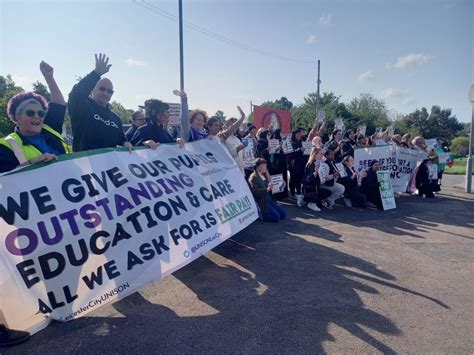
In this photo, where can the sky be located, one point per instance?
(411, 54)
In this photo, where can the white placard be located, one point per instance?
(362, 129)
(287, 146)
(321, 116)
(273, 145)
(433, 171)
(307, 146)
(341, 169)
(278, 184)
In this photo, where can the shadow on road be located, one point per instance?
(273, 290)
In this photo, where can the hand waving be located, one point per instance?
(46, 69)
(102, 65)
(242, 114)
(179, 93)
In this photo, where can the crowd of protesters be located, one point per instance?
(314, 180)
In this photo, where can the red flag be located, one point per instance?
(272, 118)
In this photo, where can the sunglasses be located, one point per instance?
(108, 91)
(32, 113)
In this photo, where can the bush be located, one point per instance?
(460, 146)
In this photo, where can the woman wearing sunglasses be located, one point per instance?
(37, 136)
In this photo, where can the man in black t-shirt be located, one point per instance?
(94, 125)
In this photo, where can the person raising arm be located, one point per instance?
(94, 125)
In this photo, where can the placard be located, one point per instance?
(273, 145)
(432, 171)
(278, 184)
(175, 114)
(249, 156)
(321, 116)
(362, 129)
(341, 170)
(386, 191)
(391, 130)
(339, 124)
(287, 146)
(307, 146)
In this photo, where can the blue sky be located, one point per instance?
(409, 53)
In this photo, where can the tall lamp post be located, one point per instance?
(471, 144)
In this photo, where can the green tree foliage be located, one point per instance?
(121, 111)
(42, 90)
(460, 146)
(438, 123)
(273, 104)
(370, 111)
(220, 114)
(285, 103)
(304, 115)
(7, 90)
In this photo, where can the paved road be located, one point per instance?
(342, 281)
(457, 181)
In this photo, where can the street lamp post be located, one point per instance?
(181, 49)
(471, 143)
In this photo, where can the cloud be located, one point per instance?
(326, 20)
(366, 76)
(312, 39)
(408, 101)
(135, 62)
(409, 61)
(388, 93)
(24, 81)
(397, 94)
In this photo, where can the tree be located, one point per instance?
(220, 115)
(304, 115)
(460, 146)
(370, 111)
(8, 89)
(285, 103)
(273, 104)
(441, 123)
(121, 111)
(42, 90)
(416, 122)
(438, 123)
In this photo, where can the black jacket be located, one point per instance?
(337, 155)
(349, 183)
(347, 147)
(422, 176)
(151, 131)
(54, 119)
(93, 126)
(370, 188)
(262, 150)
(130, 132)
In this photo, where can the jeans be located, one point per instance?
(274, 213)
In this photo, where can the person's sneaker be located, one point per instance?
(314, 207)
(325, 203)
(348, 202)
(299, 200)
(10, 337)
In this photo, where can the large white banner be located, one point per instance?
(399, 162)
(83, 232)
